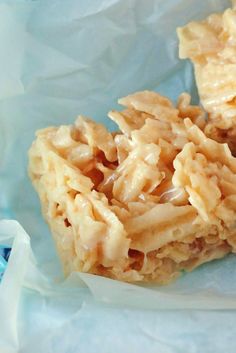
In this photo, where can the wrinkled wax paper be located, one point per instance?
(59, 59)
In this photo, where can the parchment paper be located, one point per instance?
(59, 59)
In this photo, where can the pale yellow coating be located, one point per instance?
(211, 46)
(141, 204)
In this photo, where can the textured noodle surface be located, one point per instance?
(144, 203)
(211, 46)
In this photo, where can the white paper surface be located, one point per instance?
(59, 59)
